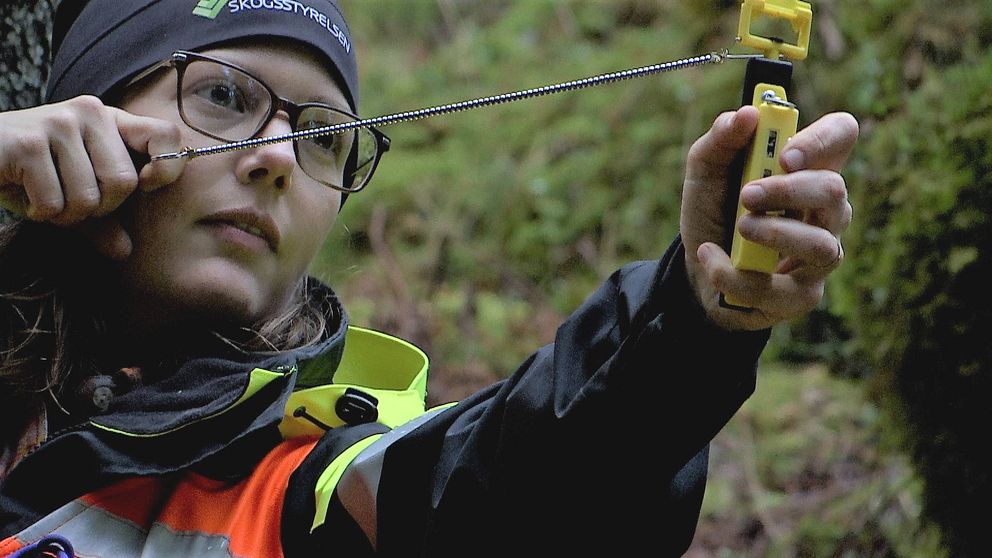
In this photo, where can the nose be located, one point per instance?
(269, 165)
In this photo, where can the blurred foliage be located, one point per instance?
(803, 470)
(914, 292)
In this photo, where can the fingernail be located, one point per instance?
(733, 120)
(752, 190)
(793, 160)
(703, 253)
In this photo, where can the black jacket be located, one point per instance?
(597, 443)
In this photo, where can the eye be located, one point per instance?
(225, 95)
(331, 144)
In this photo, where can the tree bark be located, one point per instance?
(25, 47)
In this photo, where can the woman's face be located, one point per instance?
(230, 240)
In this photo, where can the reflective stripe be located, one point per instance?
(328, 480)
(92, 531)
(188, 516)
(97, 533)
(365, 470)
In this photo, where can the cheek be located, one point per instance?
(313, 219)
(165, 209)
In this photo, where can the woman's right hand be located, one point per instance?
(68, 164)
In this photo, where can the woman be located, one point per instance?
(175, 385)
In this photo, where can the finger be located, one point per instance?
(820, 191)
(112, 167)
(804, 271)
(75, 171)
(152, 136)
(824, 144)
(108, 236)
(777, 295)
(41, 184)
(809, 243)
(711, 155)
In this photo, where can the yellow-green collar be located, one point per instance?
(388, 368)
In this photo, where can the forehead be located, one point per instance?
(292, 70)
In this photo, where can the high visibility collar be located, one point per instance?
(391, 370)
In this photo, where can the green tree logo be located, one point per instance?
(208, 8)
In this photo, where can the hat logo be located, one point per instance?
(208, 8)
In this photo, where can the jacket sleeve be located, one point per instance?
(598, 442)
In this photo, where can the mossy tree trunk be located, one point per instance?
(25, 44)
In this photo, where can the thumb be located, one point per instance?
(147, 136)
(711, 155)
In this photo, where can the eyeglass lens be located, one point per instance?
(231, 105)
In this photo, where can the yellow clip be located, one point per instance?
(796, 12)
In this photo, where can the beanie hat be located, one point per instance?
(99, 45)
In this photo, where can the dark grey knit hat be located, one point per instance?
(99, 45)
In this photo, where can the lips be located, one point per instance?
(250, 221)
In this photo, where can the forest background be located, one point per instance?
(867, 435)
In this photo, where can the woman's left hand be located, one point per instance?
(814, 196)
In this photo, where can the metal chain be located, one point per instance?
(407, 116)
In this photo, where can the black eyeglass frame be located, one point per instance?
(181, 59)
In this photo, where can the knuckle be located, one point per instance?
(87, 103)
(836, 187)
(64, 121)
(119, 184)
(34, 145)
(168, 131)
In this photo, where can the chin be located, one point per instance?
(235, 298)
(209, 293)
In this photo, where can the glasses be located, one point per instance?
(228, 103)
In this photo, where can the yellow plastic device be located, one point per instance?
(796, 12)
(777, 122)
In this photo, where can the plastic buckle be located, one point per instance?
(357, 407)
(796, 12)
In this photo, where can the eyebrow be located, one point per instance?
(340, 103)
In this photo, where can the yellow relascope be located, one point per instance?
(765, 87)
(796, 12)
(777, 122)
